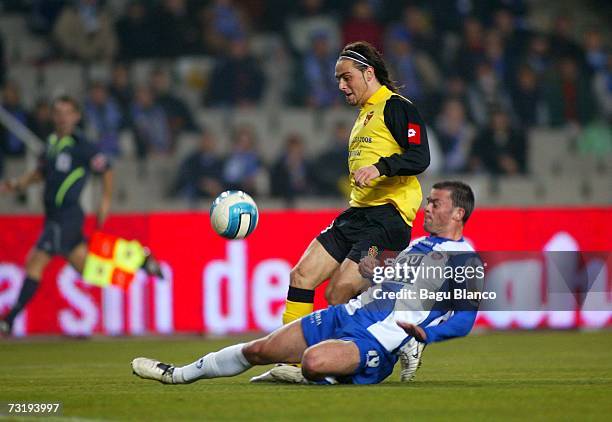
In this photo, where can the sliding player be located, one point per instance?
(359, 342)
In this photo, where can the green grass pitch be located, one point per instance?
(504, 375)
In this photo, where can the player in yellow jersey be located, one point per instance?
(388, 147)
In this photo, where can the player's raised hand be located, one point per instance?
(367, 265)
(365, 175)
(413, 330)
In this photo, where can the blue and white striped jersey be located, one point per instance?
(445, 312)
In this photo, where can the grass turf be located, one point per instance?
(512, 375)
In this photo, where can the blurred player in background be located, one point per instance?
(388, 147)
(359, 342)
(64, 166)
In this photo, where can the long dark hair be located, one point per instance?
(373, 57)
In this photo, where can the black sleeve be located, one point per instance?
(408, 130)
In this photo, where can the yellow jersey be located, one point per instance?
(390, 134)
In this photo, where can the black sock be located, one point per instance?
(296, 294)
(29, 287)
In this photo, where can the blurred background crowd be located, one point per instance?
(195, 97)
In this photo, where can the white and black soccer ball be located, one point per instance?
(234, 214)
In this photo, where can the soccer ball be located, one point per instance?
(234, 214)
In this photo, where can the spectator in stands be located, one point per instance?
(102, 118)
(499, 148)
(39, 121)
(237, 78)
(362, 25)
(487, 90)
(495, 54)
(562, 43)
(222, 21)
(176, 29)
(120, 88)
(455, 136)
(137, 36)
(149, 123)
(199, 174)
(527, 97)
(309, 19)
(11, 101)
(602, 86)
(85, 32)
(471, 50)
(595, 55)
(243, 164)
(514, 36)
(422, 36)
(416, 70)
(538, 55)
(568, 95)
(320, 86)
(179, 116)
(291, 174)
(453, 86)
(330, 168)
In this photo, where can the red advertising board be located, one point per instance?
(216, 286)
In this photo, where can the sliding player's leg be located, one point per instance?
(330, 358)
(340, 348)
(315, 266)
(287, 344)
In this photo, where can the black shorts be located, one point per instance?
(356, 230)
(61, 235)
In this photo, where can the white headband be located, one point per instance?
(360, 55)
(356, 60)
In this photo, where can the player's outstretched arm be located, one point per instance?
(458, 325)
(20, 183)
(107, 195)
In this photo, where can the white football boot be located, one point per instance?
(153, 370)
(410, 359)
(282, 373)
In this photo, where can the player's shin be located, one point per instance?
(224, 363)
(300, 302)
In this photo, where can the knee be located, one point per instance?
(298, 278)
(313, 364)
(256, 351)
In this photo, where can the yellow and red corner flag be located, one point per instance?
(112, 260)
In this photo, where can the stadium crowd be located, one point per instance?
(480, 73)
